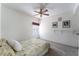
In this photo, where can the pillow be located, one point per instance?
(5, 49)
(15, 45)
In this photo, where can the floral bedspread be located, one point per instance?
(33, 47)
(5, 49)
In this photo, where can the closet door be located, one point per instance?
(35, 30)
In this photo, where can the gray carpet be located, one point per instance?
(52, 52)
(57, 49)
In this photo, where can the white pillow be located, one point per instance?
(15, 45)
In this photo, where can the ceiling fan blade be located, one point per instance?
(40, 15)
(46, 14)
(40, 11)
(36, 11)
(45, 10)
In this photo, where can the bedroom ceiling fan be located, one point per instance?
(42, 11)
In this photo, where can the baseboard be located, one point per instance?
(62, 44)
(66, 45)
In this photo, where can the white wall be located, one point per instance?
(66, 36)
(0, 20)
(76, 24)
(15, 24)
(78, 44)
(76, 20)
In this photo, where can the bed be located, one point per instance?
(5, 49)
(31, 47)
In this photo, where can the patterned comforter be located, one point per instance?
(5, 49)
(31, 47)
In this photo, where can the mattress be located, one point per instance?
(33, 47)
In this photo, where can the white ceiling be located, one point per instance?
(53, 8)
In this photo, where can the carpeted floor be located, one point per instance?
(57, 49)
(52, 52)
